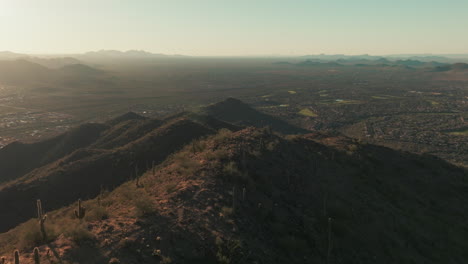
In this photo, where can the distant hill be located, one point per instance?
(49, 62)
(319, 63)
(410, 63)
(8, 55)
(452, 67)
(443, 58)
(79, 69)
(53, 63)
(116, 54)
(125, 117)
(23, 71)
(26, 72)
(236, 112)
(334, 57)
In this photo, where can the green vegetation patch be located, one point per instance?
(348, 102)
(380, 97)
(459, 133)
(341, 102)
(307, 112)
(273, 106)
(384, 97)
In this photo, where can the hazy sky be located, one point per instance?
(235, 27)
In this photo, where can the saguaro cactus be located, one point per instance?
(329, 249)
(37, 259)
(234, 198)
(137, 177)
(17, 257)
(80, 212)
(42, 218)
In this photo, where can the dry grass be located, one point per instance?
(79, 232)
(222, 135)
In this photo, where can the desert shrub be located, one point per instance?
(198, 145)
(128, 192)
(231, 169)
(96, 214)
(256, 153)
(292, 244)
(79, 232)
(30, 234)
(166, 260)
(171, 187)
(114, 261)
(228, 251)
(218, 154)
(126, 243)
(227, 211)
(143, 206)
(185, 165)
(270, 146)
(352, 149)
(232, 173)
(222, 135)
(292, 138)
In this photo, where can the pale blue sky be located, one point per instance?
(237, 27)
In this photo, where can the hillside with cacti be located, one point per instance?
(195, 188)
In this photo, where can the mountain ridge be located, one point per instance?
(193, 188)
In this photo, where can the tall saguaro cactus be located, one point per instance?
(234, 198)
(17, 257)
(329, 248)
(42, 218)
(37, 259)
(80, 212)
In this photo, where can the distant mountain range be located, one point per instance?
(445, 58)
(130, 54)
(26, 71)
(49, 62)
(58, 60)
(381, 62)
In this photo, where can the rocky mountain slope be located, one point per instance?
(237, 195)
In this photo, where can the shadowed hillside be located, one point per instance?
(255, 197)
(18, 158)
(246, 195)
(235, 111)
(86, 171)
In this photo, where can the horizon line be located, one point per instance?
(232, 56)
